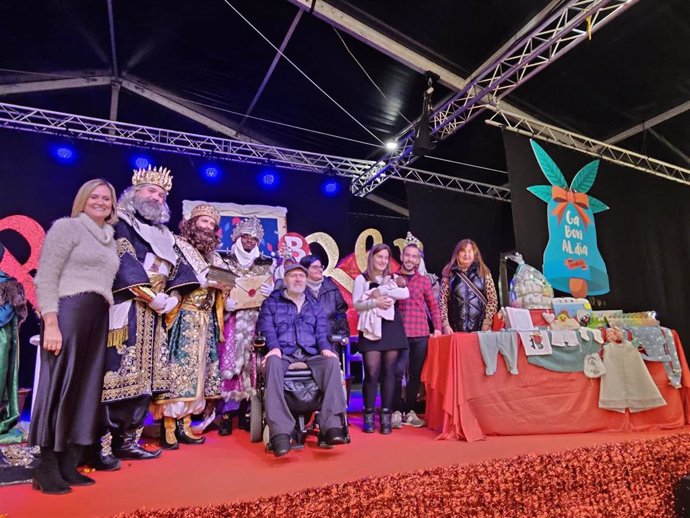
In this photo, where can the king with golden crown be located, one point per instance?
(152, 280)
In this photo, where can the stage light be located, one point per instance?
(391, 145)
(64, 154)
(269, 179)
(141, 162)
(211, 172)
(330, 187)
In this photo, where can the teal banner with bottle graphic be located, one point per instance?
(572, 261)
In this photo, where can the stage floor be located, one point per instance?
(228, 469)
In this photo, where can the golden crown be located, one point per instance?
(159, 176)
(411, 240)
(204, 209)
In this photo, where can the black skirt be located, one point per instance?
(392, 336)
(69, 390)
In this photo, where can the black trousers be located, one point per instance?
(415, 356)
(127, 415)
(326, 372)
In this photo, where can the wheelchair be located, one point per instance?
(302, 395)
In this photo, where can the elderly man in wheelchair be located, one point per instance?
(296, 330)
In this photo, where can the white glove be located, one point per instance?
(230, 304)
(170, 304)
(203, 281)
(266, 288)
(158, 303)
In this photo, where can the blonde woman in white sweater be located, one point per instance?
(74, 286)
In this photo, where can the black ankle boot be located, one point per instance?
(244, 419)
(126, 447)
(244, 422)
(68, 461)
(47, 476)
(100, 455)
(368, 422)
(386, 424)
(184, 434)
(225, 424)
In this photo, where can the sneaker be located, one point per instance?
(411, 419)
(396, 419)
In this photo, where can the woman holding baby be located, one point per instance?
(382, 335)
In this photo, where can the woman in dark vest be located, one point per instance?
(468, 295)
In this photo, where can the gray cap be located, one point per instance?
(294, 266)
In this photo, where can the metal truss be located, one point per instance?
(559, 32)
(119, 133)
(608, 152)
(451, 183)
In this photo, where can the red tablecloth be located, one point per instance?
(463, 403)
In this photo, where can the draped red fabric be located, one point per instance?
(465, 404)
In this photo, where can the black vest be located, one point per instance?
(465, 309)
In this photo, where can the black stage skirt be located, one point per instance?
(68, 397)
(392, 336)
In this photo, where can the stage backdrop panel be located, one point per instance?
(643, 237)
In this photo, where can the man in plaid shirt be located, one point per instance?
(415, 313)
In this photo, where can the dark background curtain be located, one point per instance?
(643, 237)
(442, 218)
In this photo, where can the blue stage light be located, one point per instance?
(211, 172)
(141, 162)
(269, 179)
(64, 154)
(330, 187)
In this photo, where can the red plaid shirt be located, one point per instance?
(414, 309)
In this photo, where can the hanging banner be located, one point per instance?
(572, 262)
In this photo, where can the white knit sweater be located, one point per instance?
(77, 256)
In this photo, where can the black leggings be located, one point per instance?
(379, 366)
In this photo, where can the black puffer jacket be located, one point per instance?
(334, 306)
(465, 309)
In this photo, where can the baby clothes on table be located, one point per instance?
(491, 343)
(659, 346)
(567, 359)
(591, 334)
(564, 337)
(536, 343)
(627, 383)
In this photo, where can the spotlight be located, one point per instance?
(391, 145)
(211, 172)
(141, 162)
(330, 187)
(269, 179)
(64, 154)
